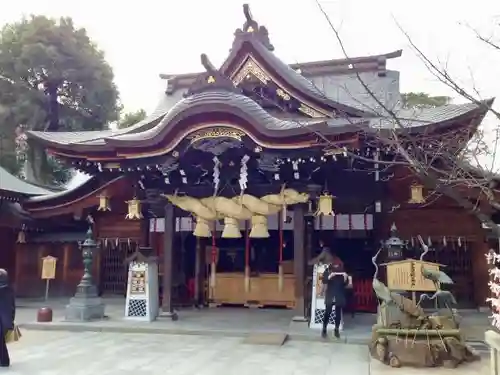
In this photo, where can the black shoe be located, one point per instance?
(4, 364)
(323, 334)
(337, 333)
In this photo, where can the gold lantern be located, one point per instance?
(103, 203)
(416, 194)
(21, 236)
(134, 209)
(325, 205)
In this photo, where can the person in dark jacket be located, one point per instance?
(335, 281)
(7, 315)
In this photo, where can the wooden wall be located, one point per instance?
(8, 238)
(119, 239)
(108, 226)
(113, 225)
(439, 218)
(69, 270)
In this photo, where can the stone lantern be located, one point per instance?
(86, 305)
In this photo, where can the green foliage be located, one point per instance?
(52, 77)
(423, 100)
(131, 118)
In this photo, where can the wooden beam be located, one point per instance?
(299, 261)
(168, 257)
(199, 272)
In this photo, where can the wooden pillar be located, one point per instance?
(199, 273)
(299, 260)
(145, 240)
(308, 276)
(168, 257)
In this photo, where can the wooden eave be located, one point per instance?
(173, 129)
(82, 197)
(248, 56)
(170, 132)
(10, 196)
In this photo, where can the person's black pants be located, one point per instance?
(4, 353)
(328, 311)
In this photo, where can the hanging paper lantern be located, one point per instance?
(416, 194)
(231, 228)
(325, 205)
(103, 203)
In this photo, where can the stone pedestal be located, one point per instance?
(86, 305)
(84, 309)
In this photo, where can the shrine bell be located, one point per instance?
(416, 194)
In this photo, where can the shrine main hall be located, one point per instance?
(240, 175)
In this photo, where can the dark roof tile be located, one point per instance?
(12, 184)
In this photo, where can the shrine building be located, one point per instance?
(231, 182)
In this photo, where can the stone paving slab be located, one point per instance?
(59, 353)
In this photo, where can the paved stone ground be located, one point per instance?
(224, 321)
(235, 322)
(85, 353)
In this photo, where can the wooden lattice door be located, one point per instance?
(114, 268)
(457, 257)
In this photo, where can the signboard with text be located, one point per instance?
(407, 275)
(49, 264)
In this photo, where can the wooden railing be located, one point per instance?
(492, 338)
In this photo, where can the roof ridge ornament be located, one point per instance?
(251, 27)
(211, 80)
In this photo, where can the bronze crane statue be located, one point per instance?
(437, 277)
(384, 293)
(443, 296)
(381, 290)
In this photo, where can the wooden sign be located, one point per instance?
(407, 275)
(49, 268)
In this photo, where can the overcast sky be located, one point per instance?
(144, 38)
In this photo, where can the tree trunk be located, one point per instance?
(53, 120)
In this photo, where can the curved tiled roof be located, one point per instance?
(413, 118)
(96, 137)
(222, 101)
(12, 184)
(211, 101)
(287, 74)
